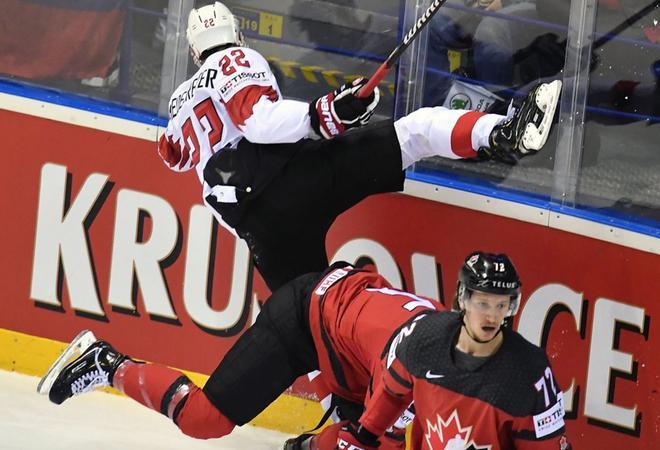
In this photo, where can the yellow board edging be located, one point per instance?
(32, 355)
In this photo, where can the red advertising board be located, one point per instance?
(99, 234)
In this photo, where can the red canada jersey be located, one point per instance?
(354, 314)
(511, 401)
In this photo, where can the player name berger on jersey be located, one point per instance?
(205, 79)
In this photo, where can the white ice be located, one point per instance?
(101, 421)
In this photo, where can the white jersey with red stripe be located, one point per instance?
(234, 94)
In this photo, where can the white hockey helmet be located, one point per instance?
(211, 26)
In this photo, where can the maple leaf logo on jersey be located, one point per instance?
(450, 435)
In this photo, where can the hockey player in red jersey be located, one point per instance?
(277, 189)
(339, 322)
(476, 384)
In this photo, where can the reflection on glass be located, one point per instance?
(314, 46)
(483, 54)
(113, 50)
(109, 50)
(620, 171)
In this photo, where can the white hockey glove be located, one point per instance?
(341, 109)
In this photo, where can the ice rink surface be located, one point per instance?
(101, 421)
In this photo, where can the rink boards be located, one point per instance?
(99, 234)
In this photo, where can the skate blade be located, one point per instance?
(535, 136)
(79, 344)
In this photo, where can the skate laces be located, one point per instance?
(511, 111)
(89, 380)
(505, 125)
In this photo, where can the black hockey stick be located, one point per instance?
(629, 22)
(553, 52)
(382, 70)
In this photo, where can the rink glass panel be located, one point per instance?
(139, 53)
(601, 161)
(111, 51)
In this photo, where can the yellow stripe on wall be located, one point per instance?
(32, 355)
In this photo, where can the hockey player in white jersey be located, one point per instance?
(278, 172)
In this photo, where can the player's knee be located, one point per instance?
(199, 418)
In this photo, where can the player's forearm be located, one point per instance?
(383, 409)
(277, 122)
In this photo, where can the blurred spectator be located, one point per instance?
(526, 41)
(624, 74)
(489, 42)
(60, 39)
(498, 39)
(347, 26)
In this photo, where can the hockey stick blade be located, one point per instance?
(382, 70)
(79, 344)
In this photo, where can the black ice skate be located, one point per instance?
(85, 365)
(527, 129)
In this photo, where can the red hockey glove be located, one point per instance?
(352, 438)
(341, 109)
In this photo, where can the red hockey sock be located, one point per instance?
(171, 393)
(461, 135)
(145, 383)
(199, 418)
